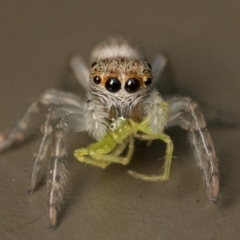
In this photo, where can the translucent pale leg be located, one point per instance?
(185, 113)
(57, 174)
(24, 126)
(41, 150)
(80, 70)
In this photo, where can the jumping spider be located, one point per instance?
(122, 104)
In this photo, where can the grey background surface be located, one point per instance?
(202, 41)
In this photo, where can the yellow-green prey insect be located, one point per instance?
(122, 104)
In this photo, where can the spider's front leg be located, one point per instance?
(185, 113)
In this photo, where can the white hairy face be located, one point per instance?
(120, 81)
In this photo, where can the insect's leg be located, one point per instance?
(168, 158)
(113, 157)
(100, 156)
(84, 155)
(186, 113)
(21, 130)
(118, 150)
(80, 70)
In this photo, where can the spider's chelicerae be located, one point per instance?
(122, 104)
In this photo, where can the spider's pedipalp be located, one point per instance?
(95, 118)
(156, 110)
(185, 113)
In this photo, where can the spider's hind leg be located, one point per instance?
(185, 113)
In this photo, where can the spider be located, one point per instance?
(122, 105)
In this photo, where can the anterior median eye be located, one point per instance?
(132, 85)
(113, 85)
(97, 80)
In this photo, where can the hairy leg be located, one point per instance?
(185, 113)
(68, 108)
(41, 150)
(21, 131)
(57, 174)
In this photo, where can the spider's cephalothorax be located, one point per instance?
(122, 104)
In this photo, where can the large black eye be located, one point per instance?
(132, 85)
(97, 79)
(148, 81)
(113, 85)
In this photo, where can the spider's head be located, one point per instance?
(120, 81)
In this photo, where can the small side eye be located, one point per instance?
(97, 80)
(132, 85)
(148, 81)
(150, 66)
(93, 64)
